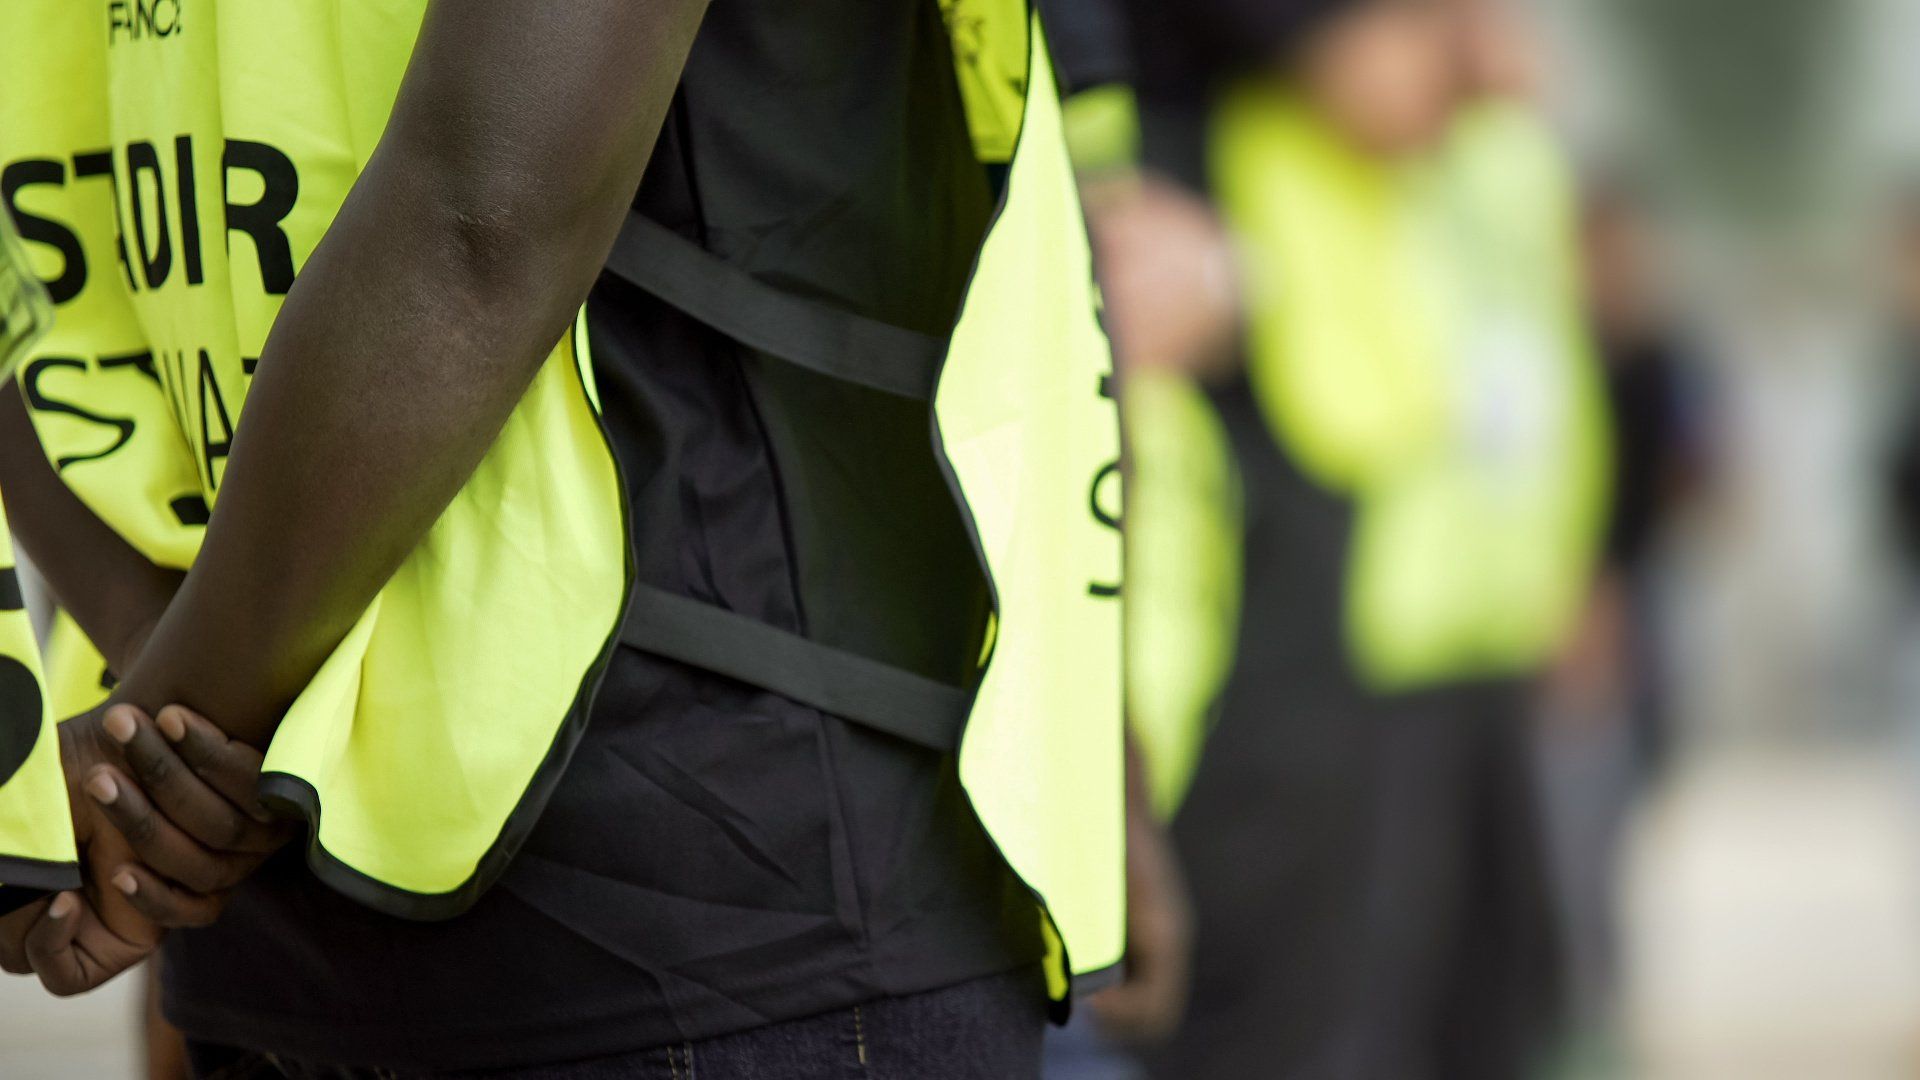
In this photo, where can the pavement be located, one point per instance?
(1772, 919)
(91, 1037)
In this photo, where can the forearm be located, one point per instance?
(1139, 789)
(454, 266)
(111, 590)
(356, 434)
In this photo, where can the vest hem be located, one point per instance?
(285, 791)
(31, 873)
(27, 880)
(1092, 982)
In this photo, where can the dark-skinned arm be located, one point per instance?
(1149, 1005)
(111, 590)
(456, 263)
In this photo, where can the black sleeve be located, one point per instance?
(1091, 40)
(1179, 54)
(1174, 79)
(1236, 34)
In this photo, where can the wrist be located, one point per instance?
(132, 643)
(84, 745)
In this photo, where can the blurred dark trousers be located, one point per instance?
(988, 1029)
(1370, 892)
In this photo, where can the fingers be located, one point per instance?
(49, 941)
(181, 791)
(174, 806)
(163, 902)
(230, 766)
(50, 947)
(13, 938)
(73, 951)
(158, 841)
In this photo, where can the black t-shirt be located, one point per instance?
(1644, 390)
(1092, 42)
(716, 857)
(1186, 53)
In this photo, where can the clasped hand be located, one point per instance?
(167, 821)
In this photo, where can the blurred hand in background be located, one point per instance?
(1167, 275)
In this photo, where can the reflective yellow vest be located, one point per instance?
(36, 829)
(1103, 130)
(77, 676)
(1417, 344)
(1185, 545)
(170, 210)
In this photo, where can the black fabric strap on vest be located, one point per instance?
(837, 682)
(812, 335)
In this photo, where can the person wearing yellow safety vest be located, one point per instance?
(1348, 560)
(666, 552)
(37, 850)
(38, 838)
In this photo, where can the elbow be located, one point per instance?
(494, 245)
(500, 235)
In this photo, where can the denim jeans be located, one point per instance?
(1080, 1052)
(987, 1029)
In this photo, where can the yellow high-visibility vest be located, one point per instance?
(173, 176)
(1417, 344)
(1185, 550)
(36, 828)
(77, 676)
(37, 850)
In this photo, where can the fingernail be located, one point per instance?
(125, 883)
(62, 906)
(171, 725)
(120, 726)
(103, 789)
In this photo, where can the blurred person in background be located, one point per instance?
(1399, 471)
(1604, 705)
(1900, 464)
(1658, 443)
(1903, 460)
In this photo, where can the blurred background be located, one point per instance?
(1728, 749)
(1730, 757)
(1770, 890)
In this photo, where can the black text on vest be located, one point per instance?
(156, 200)
(142, 20)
